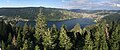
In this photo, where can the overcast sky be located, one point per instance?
(67, 4)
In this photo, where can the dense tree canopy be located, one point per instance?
(100, 36)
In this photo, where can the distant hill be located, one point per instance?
(27, 12)
(92, 11)
(112, 18)
(32, 12)
(51, 13)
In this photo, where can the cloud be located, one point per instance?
(116, 5)
(92, 4)
(74, 1)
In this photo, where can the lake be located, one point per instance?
(69, 23)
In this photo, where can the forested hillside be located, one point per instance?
(92, 11)
(31, 13)
(112, 18)
(100, 36)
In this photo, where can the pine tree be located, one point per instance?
(103, 42)
(40, 27)
(37, 47)
(88, 42)
(77, 29)
(31, 31)
(19, 39)
(115, 39)
(97, 41)
(9, 38)
(2, 28)
(65, 42)
(77, 39)
(47, 41)
(54, 32)
(3, 45)
(21, 48)
(25, 32)
(55, 36)
(9, 47)
(97, 36)
(100, 38)
(31, 45)
(25, 45)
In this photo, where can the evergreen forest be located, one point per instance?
(104, 35)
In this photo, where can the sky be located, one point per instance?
(66, 4)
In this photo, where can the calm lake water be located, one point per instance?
(69, 23)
